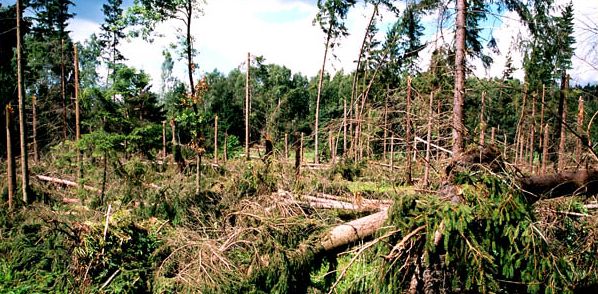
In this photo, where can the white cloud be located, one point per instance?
(282, 31)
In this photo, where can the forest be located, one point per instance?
(392, 177)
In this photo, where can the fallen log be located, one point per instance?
(353, 231)
(67, 183)
(581, 182)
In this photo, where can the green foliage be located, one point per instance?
(491, 242)
(348, 169)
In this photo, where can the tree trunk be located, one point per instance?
(189, 49)
(247, 77)
(429, 140)
(532, 135)
(392, 151)
(320, 82)
(22, 124)
(216, 139)
(544, 150)
(541, 133)
(355, 75)
(163, 139)
(561, 122)
(34, 126)
(286, 146)
(197, 173)
(483, 120)
(385, 126)
(225, 147)
(77, 116)
(584, 181)
(62, 91)
(492, 135)
(408, 132)
(344, 126)
(580, 115)
(11, 174)
(353, 231)
(459, 92)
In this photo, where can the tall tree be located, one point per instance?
(22, 122)
(459, 91)
(330, 17)
(113, 31)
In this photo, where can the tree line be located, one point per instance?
(381, 107)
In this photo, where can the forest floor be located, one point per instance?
(259, 226)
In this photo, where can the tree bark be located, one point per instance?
(320, 82)
(532, 134)
(62, 91)
(34, 127)
(580, 115)
(216, 139)
(163, 139)
(22, 124)
(544, 150)
(77, 116)
(584, 181)
(459, 92)
(344, 126)
(483, 120)
(286, 146)
(11, 174)
(189, 45)
(561, 121)
(408, 132)
(429, 140)
(353, 231)
(385, 121)
(247, 101)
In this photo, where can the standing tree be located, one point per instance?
(22, 123)
(331, 20)
(459, 92)
(113, 31)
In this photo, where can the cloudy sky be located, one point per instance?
(282, 32)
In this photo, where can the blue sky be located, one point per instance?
(282, 31)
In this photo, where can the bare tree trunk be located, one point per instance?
(542, 118)
(11, 174)
(562, 121)
(163, 139)
(247, 105)
(392, 151)
(77, 115)
(286, 146)
(34, 126)
(385, 121)
(225, 147)
(492, 135)
(62, 91)
(429, 140)
(216, 139)
(544, 150)
(519, 131)
(344, 126)
(22, 124)
(320, 82)
(504, 150)
(580, 115)
(197, 173)
(459, 94)
(532, 135)
(483, 120)
(355, 75)
(408, 132)
(189, 49)
(301, 149)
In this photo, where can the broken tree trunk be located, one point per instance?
(408, 132)
(347, 233)
(11, 174)
(584, 181)
(67, 183)
(580, 116)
